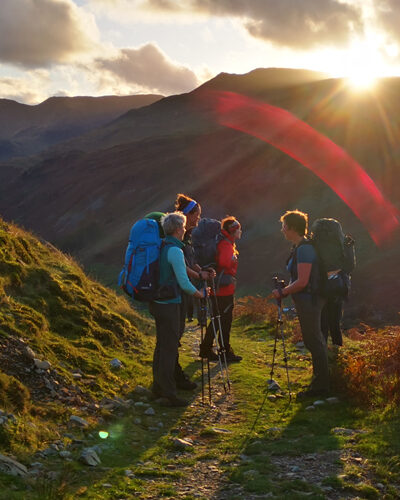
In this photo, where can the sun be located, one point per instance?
(361, 78)
(360, 64)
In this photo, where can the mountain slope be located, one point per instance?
(26, 130)
(85, 194)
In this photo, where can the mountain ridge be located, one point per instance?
(103, 181)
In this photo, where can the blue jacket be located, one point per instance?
(173, 269)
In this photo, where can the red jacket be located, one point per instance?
(227, 262)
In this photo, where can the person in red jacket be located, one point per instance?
(223, 302)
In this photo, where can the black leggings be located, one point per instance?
(223, 305)
(330, 320)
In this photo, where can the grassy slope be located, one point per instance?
(74, 322)
(50, 305)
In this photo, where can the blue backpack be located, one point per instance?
(140, 275)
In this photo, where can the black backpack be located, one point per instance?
(335, 250)
(205, 237)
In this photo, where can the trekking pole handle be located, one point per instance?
(278, 285)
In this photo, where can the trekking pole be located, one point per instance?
(222, 346)
(279, 284)
(203, 321)
(214, 328)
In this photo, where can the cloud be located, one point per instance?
(147, 68)
(387, 13)
(39, 33)
(295, 24)
(31, 89)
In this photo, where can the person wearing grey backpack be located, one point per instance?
(339, 260)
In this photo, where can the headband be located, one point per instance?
(189, 207)
(232, 228)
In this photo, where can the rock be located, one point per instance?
(300, 345)
(341, 431)
(76, 375)
(319, 402)
(139, 390)
(182, 443)
(48, 452)
(138, 404)
(65, 454)
(42, 365)
(332, 400)
(220, 431)
(150, 411)
(271, 397)
(12, 467)
(154, 429)
(116, 364)
(274, 429)
(310, 408)
(137, 421)
(160, 424)
(78, 420)
(380, 486)
(128, 472)
(37, 465)
(273, 385)
(90, 457)
(29, 353)
(107, 485)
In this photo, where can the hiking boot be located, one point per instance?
(231, 357)
(174, 402)
(184, 383)
(208, 354)
(312, 393)
(182, 380)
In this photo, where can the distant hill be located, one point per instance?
(26, 130)
(84, 194)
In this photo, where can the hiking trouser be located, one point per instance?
(223, 305)
(167, 317)
(309, 313)
(330, 320)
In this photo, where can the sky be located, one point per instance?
(121, 47)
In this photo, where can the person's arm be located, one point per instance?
(177, 261)
(303, 277)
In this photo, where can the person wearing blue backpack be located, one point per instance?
(167, 311)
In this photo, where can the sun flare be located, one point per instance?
(362, 78)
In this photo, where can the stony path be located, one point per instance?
(207, 478)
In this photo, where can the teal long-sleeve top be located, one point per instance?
(173, 267)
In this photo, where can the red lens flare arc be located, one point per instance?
(319, 154)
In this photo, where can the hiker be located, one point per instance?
(303, 287)
(167, 312)
(223, 299)
(192, 210)
(338, 250)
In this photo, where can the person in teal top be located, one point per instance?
(166, 312)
